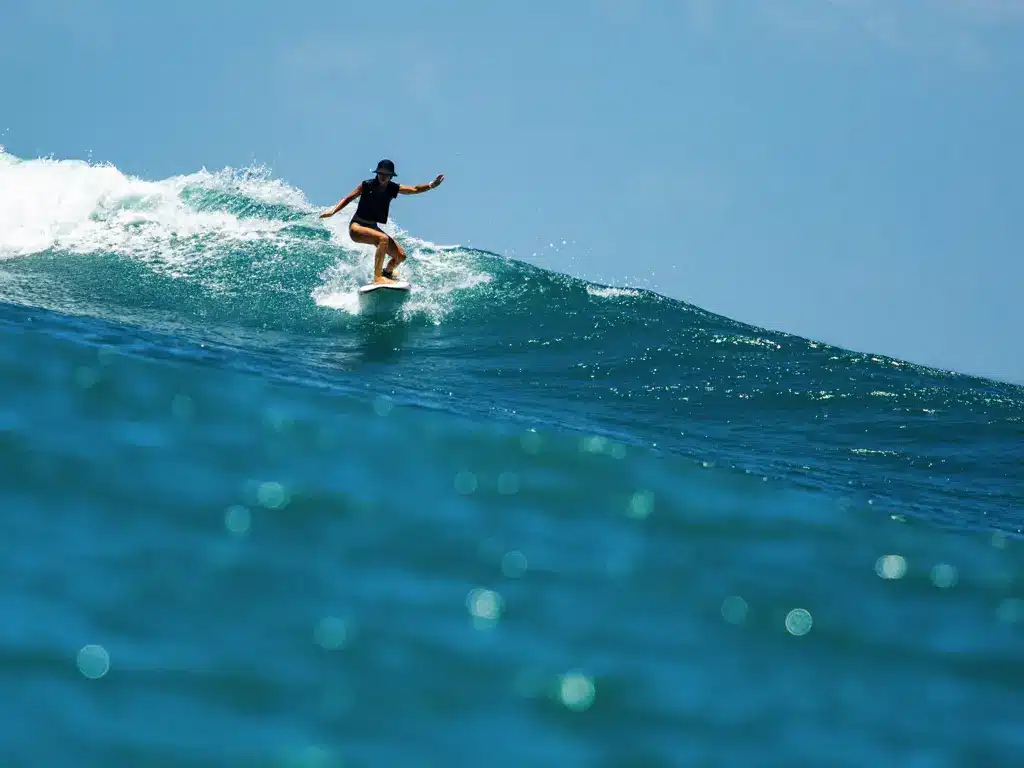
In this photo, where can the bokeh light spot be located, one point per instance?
(798, 622)
(944, 576)
(577, 691)
(641, 505)
(513, 564)
(237, 519)
(93, 661)
(382, 405)
(735, 609)
(484, 607)
(1011, 611)
(272, 495)
(891, 566)
(331, 633)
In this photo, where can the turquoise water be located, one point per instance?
(530, 521)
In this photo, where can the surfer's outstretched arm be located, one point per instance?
(343, 202)
(405, 189)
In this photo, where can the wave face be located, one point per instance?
(531, 519)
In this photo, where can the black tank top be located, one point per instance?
(375, 200)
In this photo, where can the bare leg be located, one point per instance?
(369, 236)
(378, 262)
(397, 254)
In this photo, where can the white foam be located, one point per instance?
(77, 207)
(611, 293)
(437, 273)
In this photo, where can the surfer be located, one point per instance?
(375, 196)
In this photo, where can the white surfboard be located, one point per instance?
(383, 298)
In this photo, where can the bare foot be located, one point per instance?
(384, 280)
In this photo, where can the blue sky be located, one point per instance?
(848, 170)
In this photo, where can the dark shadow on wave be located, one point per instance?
(381, 340)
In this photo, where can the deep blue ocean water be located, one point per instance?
(528, 521)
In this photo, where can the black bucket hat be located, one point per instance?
(386, 166)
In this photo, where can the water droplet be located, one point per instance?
(237, 520)
(382, 405)
(944, 576)
(272, 495)
(485, 607)
(513, 564)
(891, 566)
(93, 661)
(798, 622)
(577, 691)
(1011, 610)
(641, 505)
(331, 633)
(735, 609)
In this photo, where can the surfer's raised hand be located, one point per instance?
(417, 189)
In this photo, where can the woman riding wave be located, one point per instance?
(375, 196)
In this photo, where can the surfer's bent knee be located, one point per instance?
(362, 233)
